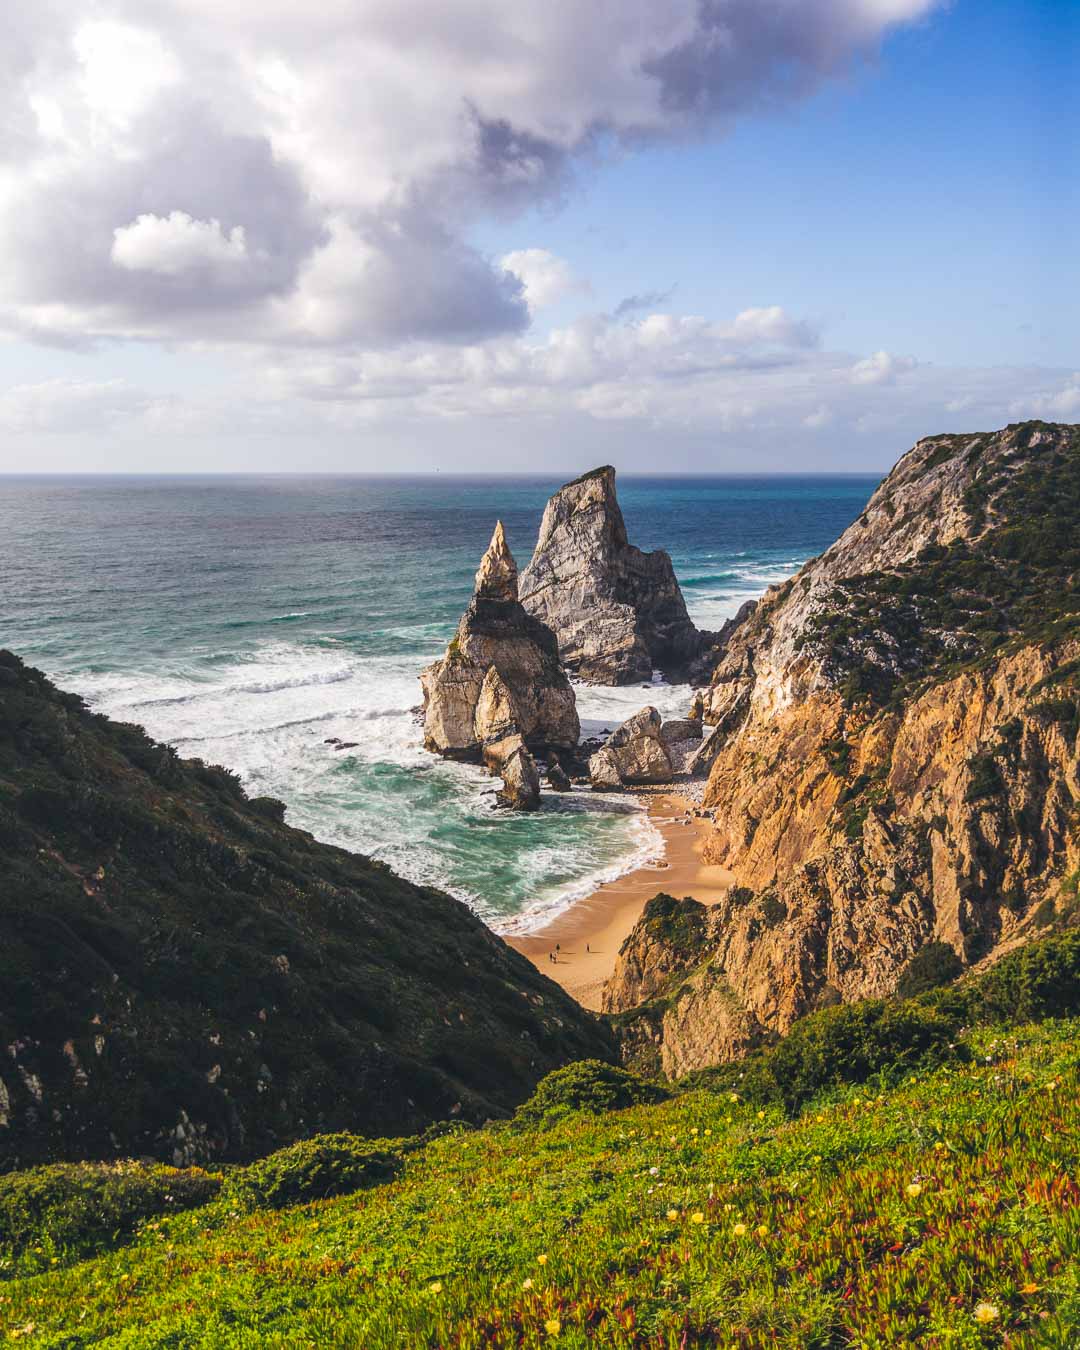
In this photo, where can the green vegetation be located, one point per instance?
(589, 1085)
(938, 1208)
(314, 1169)
(886, 634)
(186, 977)
(932, 966)
(81, 1208)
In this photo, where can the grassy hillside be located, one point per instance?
(934, 1206)
(185, 976)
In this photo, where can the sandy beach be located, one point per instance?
(602, 920)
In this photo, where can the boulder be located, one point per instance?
(534, 697)
(617, 612)
(521, 781)
(557, 777)
(604, 772)
(633, 753)
(681, 729)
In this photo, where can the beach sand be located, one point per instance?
(603, 919)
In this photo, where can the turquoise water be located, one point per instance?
(248, 620)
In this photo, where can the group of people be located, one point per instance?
(553, 957)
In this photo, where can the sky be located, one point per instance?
(403, 235)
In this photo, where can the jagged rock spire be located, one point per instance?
(497, 578)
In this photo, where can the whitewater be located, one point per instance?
(256, 623)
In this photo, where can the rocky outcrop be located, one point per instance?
(502, 746)
(634, 753)
(533, 698)
(673, 1008)
(893, 738)
(617, 612)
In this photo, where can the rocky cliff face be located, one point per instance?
(185, 976)
(894, 747)
(617, 612)
(533, 698)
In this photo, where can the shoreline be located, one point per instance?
(602, 921)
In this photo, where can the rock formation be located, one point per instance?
(893, 738)
(532, 698)
(618, 613)
(634, 753)
(502, 745)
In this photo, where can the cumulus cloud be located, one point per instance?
(198, 168)
(881, 368)
(175, 244)
(544, 276)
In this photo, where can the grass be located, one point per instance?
(877, 1218)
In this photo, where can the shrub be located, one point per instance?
(81, 1208)
(313, 1169)
(1040, 980)
(848, 1043)
(589, 1085)
(931, 966)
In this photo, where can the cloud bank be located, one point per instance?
(307, 175)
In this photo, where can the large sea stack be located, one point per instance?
(617, 612)
(500, 676)
(894, 755)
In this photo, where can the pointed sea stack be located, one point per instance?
(467, 714)
(617, 612)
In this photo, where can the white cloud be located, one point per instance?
(367, 134)
(820, 417)
(1064, 402)
(546, 278)
(881, 368)
(174, 244)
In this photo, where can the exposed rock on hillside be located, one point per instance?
(617, 612)
(184, 975)
(895, 738)
(534, 697)
(634, 753)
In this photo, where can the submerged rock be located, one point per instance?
(617, 612)
(633, 753)
(495, 631)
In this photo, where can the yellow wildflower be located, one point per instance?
(435, 1287)
(553, 1326)
(761, 1115)
(914, 1190)
(1030, 1288)
(672, 1214)
(739, 1230)
(734, 1097)
(986, 1313)
(542, 1258)
(708, 1131)
(694, 1130)
(697, 1217)
(762, 1230)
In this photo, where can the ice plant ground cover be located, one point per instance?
(942, 1211)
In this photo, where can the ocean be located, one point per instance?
(248, 620)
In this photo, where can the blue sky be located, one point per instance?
(927, 203)
(218, 253)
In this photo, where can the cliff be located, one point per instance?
(617, 612)
(185, 976)
(894, 747)
(532, 698)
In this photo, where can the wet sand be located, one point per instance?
(603, 919)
